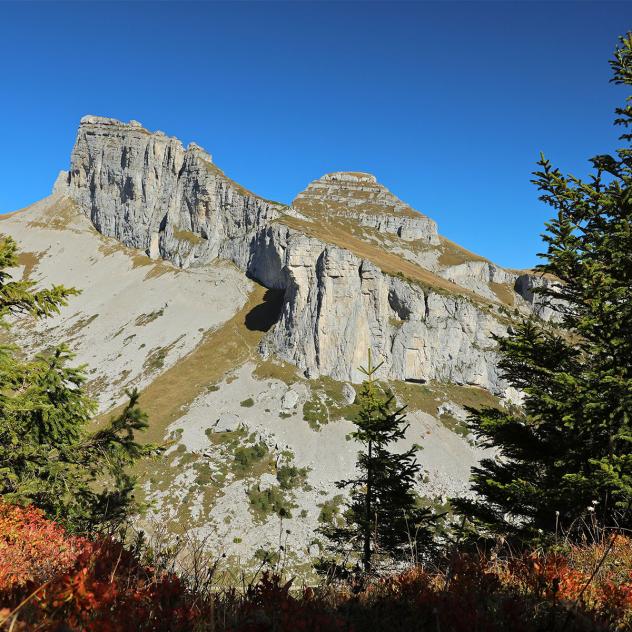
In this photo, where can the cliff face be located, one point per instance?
(337, 305)
(149, 192)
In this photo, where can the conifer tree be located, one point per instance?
(47, 456)
(383, 515)
(568, 450)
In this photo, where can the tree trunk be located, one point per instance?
(367, 517)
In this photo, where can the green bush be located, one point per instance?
(290, 476)
(330, 510)
(247, 456)
(268, 501)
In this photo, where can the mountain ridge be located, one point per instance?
(150, 193)
(243, 322)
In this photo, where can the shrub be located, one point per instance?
(268, 501)
(32, 548)
(76, 584)
(247, 456)
(290, 476)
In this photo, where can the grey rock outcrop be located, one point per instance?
(360, 197)
(348, 394)
(526, 285)
(149, 192)
(337, 305)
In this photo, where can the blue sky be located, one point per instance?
(447, 103)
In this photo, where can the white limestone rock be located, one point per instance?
(526, 285)
(452, 410)
(289, 401)
(61, 183)
(348, 394)
(150, 193)
(227, 422)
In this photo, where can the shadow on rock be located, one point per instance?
(266, 314)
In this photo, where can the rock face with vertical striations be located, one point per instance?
(347, 267)
(337, 305)
(149, 192)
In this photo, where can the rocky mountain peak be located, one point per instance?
(352, 190)
(360, 197)
(352, 268)
(357, 266)
(350, 176)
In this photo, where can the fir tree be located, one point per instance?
(47, 456)
(383, 515)
(567, 451)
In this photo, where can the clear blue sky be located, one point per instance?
(448, 103)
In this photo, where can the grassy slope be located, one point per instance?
(221, 350)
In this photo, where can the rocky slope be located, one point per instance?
(359, 196)
(243, 321)
(236, 424)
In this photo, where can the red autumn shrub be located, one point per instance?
(73, 583)
(51, 581)
(108, 590)
(32, 548)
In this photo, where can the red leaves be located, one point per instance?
(32, 548)
(60, 582)
(97, 586)
(269, 605)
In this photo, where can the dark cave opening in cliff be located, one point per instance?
(263, 316)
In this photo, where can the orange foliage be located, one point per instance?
(50, 581)
(32, 548)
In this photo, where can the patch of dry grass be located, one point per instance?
(60, 215)
(79, 325)
(273, 369)
(453, 255)
(186, 235)
(426, 397)
(504, 292)
(110, 246)
(360, 205)
(29, 260)
(338, 233)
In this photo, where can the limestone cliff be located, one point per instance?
(148, 191)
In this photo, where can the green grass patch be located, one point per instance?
(247, 456)
(266, 502)
(291, 477)
(273, 369)
(327, 403)
(315, 412)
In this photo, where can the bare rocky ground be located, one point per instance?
(134, 317)
(254, 447)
